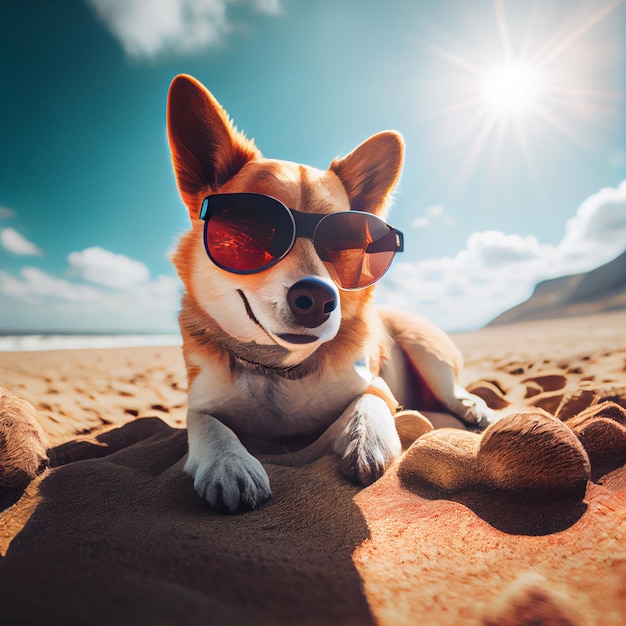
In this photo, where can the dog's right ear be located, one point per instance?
(207, 150)
(371, 170)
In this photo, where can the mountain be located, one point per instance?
(597, 291)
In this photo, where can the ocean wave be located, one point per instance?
(23, 343)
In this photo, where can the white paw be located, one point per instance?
(230, 482)
(369, 442)
(472, 409)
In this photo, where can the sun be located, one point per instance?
(511, 88)
(523, 81)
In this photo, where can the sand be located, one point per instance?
(528, 523)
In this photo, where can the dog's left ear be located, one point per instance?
(371, 170)
(207, 150)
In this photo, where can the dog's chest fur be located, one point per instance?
(270, 413)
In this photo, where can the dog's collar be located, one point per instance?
(293, 372)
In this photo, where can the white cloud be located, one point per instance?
(436, 210)
(100, 266)
(597, 231)
(420, 222)
(119, 295)
(48, 302)
(146, 28)
(35, 283)
(496, 271)
(432, 214)
(492, 248)
(15, 243)
(5, 212)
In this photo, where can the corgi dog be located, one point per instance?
(286, 353)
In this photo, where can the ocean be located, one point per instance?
(21, 343)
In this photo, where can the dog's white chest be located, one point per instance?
(266, 406)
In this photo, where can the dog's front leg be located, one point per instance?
(225, 474)
(367, 441)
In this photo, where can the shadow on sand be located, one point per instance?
(119, 536)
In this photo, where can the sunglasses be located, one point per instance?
(247, 233)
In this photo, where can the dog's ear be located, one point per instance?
(371, 170)
(207, 150)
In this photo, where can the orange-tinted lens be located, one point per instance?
(247, 233)
(357, 248)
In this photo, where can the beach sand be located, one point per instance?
(115, 534)
(80, 392)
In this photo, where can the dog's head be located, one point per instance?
(283, 314)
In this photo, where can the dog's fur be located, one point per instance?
(252, 392)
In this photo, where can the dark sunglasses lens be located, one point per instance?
(357, 248)
(247, 232)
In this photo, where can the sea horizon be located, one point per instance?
(17, 341)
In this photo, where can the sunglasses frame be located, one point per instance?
(304, 225)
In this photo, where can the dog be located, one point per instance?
(286, 353)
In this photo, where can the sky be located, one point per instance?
(513, 113)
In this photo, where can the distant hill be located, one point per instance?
(597, 291)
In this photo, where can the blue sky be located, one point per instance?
(502, 186)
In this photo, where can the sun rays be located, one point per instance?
(533, 83)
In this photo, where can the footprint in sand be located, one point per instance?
(546, 390)
(548, 380)
(529, 600)
(491, 391)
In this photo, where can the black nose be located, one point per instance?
(312, 300)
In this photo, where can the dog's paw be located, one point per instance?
(472, 409)
(370, 441)
(230, 483)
